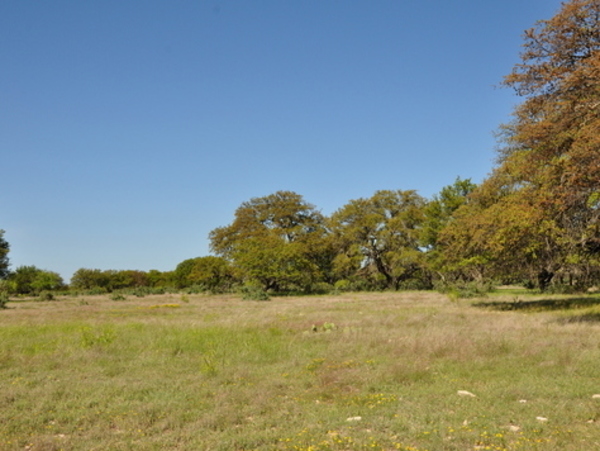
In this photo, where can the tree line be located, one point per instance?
(281, 243)
(535, 220)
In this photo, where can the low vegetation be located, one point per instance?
(377, 371)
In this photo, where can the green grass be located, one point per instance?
(349, 372)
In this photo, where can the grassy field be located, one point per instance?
(384, 371)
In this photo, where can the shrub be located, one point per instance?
(254, 293)
(46, 296)
(321, 288)
(140, 292)
(461, 289)
(343, 285)
(4, 290)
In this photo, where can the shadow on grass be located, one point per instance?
(542, 304)
(585, 318)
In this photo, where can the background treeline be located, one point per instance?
(534, 221)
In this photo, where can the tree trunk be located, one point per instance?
(544, 279)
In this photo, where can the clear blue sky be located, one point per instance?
(129, 130)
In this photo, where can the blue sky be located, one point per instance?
(129, 130)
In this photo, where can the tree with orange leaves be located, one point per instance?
(539, 211)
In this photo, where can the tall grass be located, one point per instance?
(349, 372)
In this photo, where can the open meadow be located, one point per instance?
(358, 371)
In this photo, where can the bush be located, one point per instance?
(357, 284)
(321, 288)
(254, 293)
(461, 289)
(414, 284)
(4, 290)
(117, 297)
(46, 296)
(342, 285)
(140, 292)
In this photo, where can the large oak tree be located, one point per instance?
(380, 236)
(277, 241)
(539, 210)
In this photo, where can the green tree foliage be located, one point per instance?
(161, 279)
(278, 241)
(440, 210)
(507, 238)
(379, 237)
(32, 280)
(4, 262)
(128, 278)
(539, 211)
(212, 273)
(47, 281)
(108, 280)
(90, 279)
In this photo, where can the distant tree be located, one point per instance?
(161, 279)
(276, 240)
(4, 262)
(47, 281)
(276, 264)
(183, 271)
(21, 279)
(32, 280)
(127, 278)
(213, 273)
(89, 279)
(109, 280)
(380, 235)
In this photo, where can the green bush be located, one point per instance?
(461, 289)
(4, 289)
(321, 288)
(254, 293)
(46, 296)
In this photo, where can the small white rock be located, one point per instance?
(596, 396)
(541, 419)
(354, 419)
(522, 401)
(514, 428)
(465, 393)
